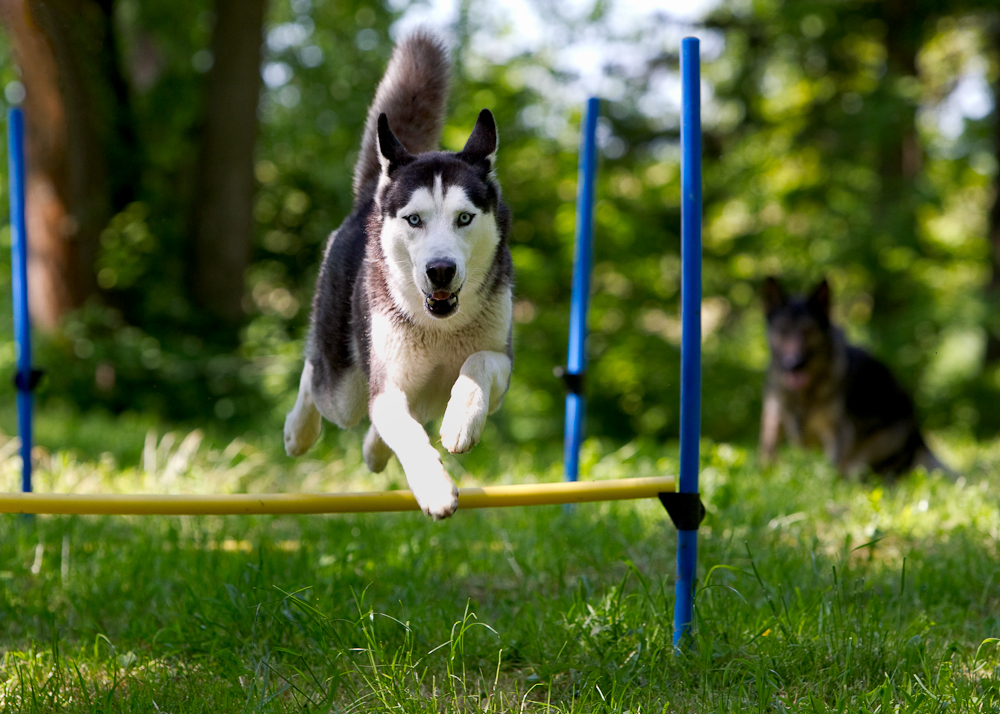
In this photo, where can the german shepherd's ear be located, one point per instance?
(774, 295)
(819, 300)
(482, 144)
(391, 152)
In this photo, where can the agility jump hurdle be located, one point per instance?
(534, 494)
(680, 497)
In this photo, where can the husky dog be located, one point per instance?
(411, 318)
(822, 391)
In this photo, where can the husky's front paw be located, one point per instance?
(465, 416)
(435, 492)
(301, 431)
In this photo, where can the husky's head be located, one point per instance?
(438, 213)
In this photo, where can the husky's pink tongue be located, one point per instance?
(796, 380)
(441, 295)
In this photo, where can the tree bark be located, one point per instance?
(902, 155)
(223, 214)
(52, 281)
(993, 227)
(76, 115)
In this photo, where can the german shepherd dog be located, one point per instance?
(823, 392)
(411, 318)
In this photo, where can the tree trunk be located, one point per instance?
(899, 160)
(902, 153)
(76, 114)
(223, 215)
(993, 228)
(53, 285)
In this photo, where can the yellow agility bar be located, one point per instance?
(532, 494)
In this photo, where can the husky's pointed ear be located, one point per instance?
(482, 144)
(774, 295)
(391, 153)
(819, 300)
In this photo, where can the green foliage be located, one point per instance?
(826, 171)
(822, 157)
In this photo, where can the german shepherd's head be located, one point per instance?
(800, 335)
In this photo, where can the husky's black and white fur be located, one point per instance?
(411, 319)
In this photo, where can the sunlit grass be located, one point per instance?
(815, 594)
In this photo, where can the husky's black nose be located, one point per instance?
(440, 272)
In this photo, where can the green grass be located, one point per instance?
(815, 594)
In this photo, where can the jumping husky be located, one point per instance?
(411, 318)
(822, 391)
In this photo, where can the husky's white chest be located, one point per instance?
(424, 362)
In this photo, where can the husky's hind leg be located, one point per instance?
(344, 401)
(303, 423)
(376, 452)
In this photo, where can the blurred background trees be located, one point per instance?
(190, 157)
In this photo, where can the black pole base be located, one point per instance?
(686, 510)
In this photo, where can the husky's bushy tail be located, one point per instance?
(413, 94)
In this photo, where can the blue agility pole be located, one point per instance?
(687, 534)
(576, 363)
(25, 377)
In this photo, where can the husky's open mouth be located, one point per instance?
(441, 303)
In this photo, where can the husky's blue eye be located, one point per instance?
(413, 219)
(464, 218)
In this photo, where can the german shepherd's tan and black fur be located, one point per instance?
(823, 392)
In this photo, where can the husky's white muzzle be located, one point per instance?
(441, 300)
